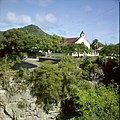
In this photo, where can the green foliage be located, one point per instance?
(12, 81)
(1, 39)
(21, 72)
(74, 48)
(17, 41)
(22, 104)
(96, 103)
(88, 63)
(49, 43)
(96, 44)
(5, 76)
(29, 39)
(85, 101)
(68, 49)
(21, 79)
(51, 82)
(80, 48)
(63, 82)
(70, 71)
(35, 30)
(110, 50)
(47, 84)
(89, 68)
(101, 60)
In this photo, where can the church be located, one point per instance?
(78, 40)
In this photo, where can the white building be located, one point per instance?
(78, 40)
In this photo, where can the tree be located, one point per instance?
(90, 69)
(95, 103)
(70, 71)
(17, 41)
(80, 48)
(68, 49)
(110, 50)
(11, 82)
(101, 60)
(94, 44)
(47, 84)
(49, 43)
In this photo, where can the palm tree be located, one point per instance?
(94, 45)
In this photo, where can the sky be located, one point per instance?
(99, 19)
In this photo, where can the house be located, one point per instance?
(77, 40)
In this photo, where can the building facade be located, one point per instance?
(78, 40)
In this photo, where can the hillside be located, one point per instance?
(35, 30)
(23, 39)
(1, 35)
(32, 29)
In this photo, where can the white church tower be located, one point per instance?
(82, 39)
(82, 35)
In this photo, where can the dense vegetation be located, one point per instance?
(35, 30)
(86, 87)
(110, 50)
(65, 83)
(16, 41)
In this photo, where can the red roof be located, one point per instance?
(70, 40)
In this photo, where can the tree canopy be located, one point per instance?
(16, 41)
(110, 50)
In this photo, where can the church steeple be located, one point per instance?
(82, 35)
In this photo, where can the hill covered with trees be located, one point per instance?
(35, 30)
(28, 39)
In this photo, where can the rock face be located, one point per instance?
(22, 106)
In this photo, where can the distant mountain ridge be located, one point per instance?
(35, 30)
(32, 29)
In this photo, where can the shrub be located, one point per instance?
(22, 104)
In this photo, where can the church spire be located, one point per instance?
(82, 35)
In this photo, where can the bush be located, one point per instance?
(95, 103)
(91, 103)
(22, 104)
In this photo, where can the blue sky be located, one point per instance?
(97, 18)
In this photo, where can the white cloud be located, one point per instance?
(40, 18)
(40, 2)
(12, 18)
(87, 8)
(48, 18)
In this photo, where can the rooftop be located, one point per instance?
(70, 40)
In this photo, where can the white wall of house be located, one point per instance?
(82, 39)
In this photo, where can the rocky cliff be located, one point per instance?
(22, 106)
